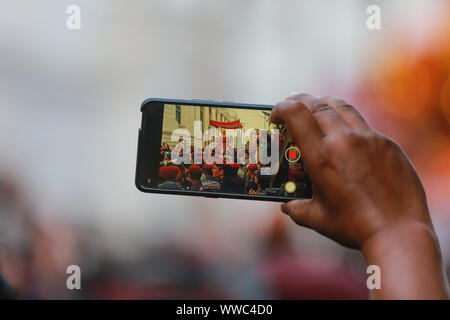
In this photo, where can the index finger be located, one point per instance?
(302, 126)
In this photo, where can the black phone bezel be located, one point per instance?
(151, 126)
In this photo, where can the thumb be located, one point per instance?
(305, 213)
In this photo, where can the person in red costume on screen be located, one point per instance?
(169, 178)
(386, 218)
(195, 173)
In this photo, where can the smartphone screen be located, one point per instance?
(221, 150)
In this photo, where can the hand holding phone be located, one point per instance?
(367, 195)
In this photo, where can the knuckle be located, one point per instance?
(320, 107)
(354, 139)
(388, 144)
(345, 140)
(350, 141)
(295, 106)
(380, 144)
(330, 143)
(347, 106)
(326, 99)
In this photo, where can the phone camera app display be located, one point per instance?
(229, 150)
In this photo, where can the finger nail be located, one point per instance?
(284, 209)
(293, 94)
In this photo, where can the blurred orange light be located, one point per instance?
(405, 88)
(445, 99)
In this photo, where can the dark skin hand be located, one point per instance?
(367, 195)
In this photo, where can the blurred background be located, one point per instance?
(69, 118)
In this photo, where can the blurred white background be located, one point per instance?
(69, 111)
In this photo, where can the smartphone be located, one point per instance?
(218, 149)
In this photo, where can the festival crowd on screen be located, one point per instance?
(239, 177)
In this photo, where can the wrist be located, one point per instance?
(399, 236)
(410, 262)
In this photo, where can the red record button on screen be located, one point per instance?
(292, 154)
